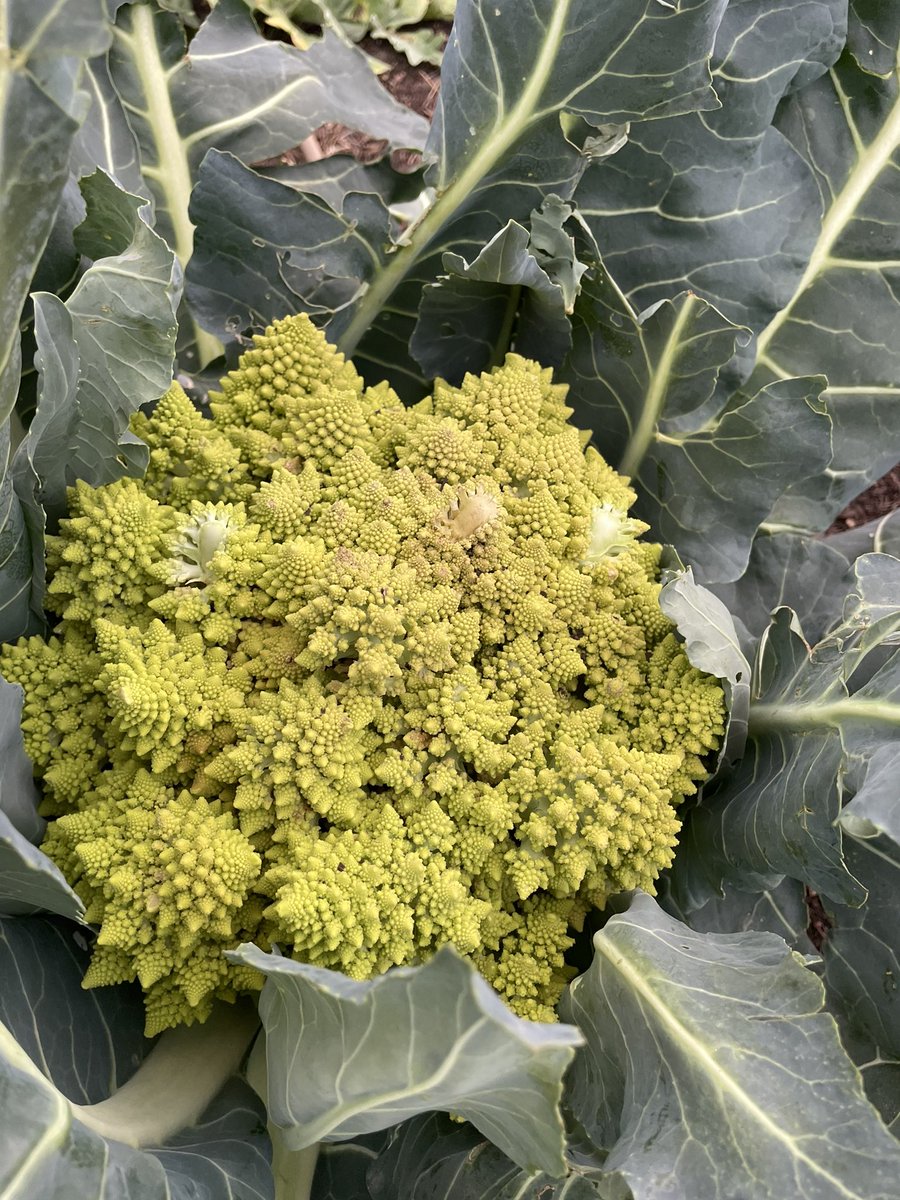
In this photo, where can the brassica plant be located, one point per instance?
(348, 696)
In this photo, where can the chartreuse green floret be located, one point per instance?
(357, 680)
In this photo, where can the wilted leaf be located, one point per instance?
(711, 1071)
(346, 1058)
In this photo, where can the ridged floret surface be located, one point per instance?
(358, 680)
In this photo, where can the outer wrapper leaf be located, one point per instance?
(58, 1044)
(346, 1058)
(710, 1070)
(28, 879)
(720, 202)
(816, 718)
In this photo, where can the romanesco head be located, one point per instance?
(359, 680)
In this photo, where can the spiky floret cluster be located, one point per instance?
(358, 680)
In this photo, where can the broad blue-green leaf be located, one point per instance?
(433, 1158)
(259, 247)
(238, 91)
(881, 536)
(346, 1058)
(842, 314)
(710, 1070)
(105, 352)
(28, 879)
(42, 54)
(517, 292)
(719, 201)
(105, 139)
(333, 177)
(497, 145)
(790, 570)
(62, 1047)
(707, 472)
(815, 720)
(780, 909)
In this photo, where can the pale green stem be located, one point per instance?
(772, 718)
(293, 1169)
(177, 1081)
(492, 149)
(172, 173)
(657, 393)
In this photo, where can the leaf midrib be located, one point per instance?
(493, 147)
(682, 1036)
(862, 177)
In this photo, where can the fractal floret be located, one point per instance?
(357, 680)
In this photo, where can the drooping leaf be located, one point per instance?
(45, 47)
(498, 148)
(61, 1046)
(346, 1058)
(707, 472)
(710, 1070)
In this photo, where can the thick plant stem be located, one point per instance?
(179, 1078)
(293, 1169)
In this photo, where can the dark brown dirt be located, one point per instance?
(819, 926)
(880, 499)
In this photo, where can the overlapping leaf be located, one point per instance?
(236, 91)
(60, 1044)
(719, 201)
(346, 1058)
(28, 879)
(498, 146)
(813, 725)
(520, 287)
(705, 1056)
(842, 314)
(707, 472)
(44, 53)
